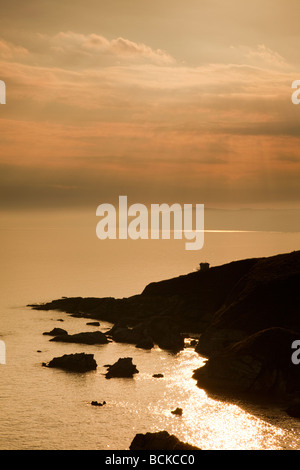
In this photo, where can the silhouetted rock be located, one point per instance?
(97, 403)
(130, 311)
(122, 368)
(90, 337)
(259, 365)
(79, 362)
(123, 334)
(158, 376)
(177, 411)
(165, 333)
(93, 323)
(145, 343)
(161, 331)
(160, 440)
(56, 332)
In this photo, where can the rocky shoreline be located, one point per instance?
(246, 314)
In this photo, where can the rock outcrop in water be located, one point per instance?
(97, 403)
(56, 332)
(79, 362)
(94, 337)
(229, 305)
(122, 368)
(177, 411)
(160, 440)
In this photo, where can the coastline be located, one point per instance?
(235, 309)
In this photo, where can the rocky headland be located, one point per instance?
(246, 314)
(258, 365)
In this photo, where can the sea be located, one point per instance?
(45, 256)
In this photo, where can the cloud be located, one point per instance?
(83, 104)
(9, 51)
(72, 49)
(265, 54)
(260, 56)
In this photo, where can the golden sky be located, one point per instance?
(163, 101)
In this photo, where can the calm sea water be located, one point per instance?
(43, 258)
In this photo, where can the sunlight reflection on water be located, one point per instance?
(213, 424)
(50, 409)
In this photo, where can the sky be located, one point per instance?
(163, 101)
